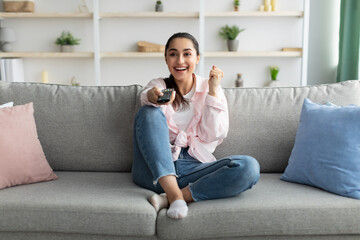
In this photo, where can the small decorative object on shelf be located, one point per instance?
(239, 82)
(73, 82)
(159, 7)
(150, 47)
(274, 70)
(67, 41)
(83, 7)
(274, 5)
(292, 49)
(236, 5)
(7, 36)
(45, 77)
(18, 6)
(267, 6)
(230, 34)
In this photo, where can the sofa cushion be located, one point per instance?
(272, 207)
(81, 128)
(326, 152)
(264, 121)
(22, 159)
(79, 202)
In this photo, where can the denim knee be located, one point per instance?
(249, 169)
(149, 112)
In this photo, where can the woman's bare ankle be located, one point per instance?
(171, 188)
(187, 194)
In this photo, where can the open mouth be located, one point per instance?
(181, 69)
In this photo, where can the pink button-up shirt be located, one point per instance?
(205, 131)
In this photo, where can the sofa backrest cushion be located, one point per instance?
(90, 128)
(264, 121)
(80, 128)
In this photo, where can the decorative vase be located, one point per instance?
(274, 5)
(239, 82)
(7, 47)
(232, 45)
(66, 48)
(236, 8)
(159, 8)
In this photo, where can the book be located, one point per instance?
(292, 49)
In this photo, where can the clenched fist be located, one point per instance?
(215, 77)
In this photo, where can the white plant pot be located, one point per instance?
(159, 8)
(66, 48)
(273, 83)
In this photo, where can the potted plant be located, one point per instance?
(67, 41)
(230, 34)
(274, 70)
(236, 5)
(159, 7)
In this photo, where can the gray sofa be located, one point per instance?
(86, 134)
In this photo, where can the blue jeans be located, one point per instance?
(225, 177)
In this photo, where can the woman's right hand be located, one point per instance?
(154, 93)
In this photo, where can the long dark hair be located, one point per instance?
(180, 101)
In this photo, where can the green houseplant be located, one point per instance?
(230, 34)
(67, 41)
(159, 7)
(274, 70)
(274, 82)
(236, 5)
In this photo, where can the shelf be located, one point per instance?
(254, 54)
(256, 14)
(46, 54)
(149, 15)
(152, 14)
(132, 54)
(145, 54)
(206, 54)
(45, 15)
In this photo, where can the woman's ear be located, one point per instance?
(198, 59)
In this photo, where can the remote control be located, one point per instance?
(167, 95)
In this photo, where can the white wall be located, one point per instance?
(121, 34)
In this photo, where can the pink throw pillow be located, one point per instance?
(22, 160)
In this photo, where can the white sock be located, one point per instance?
(178, 209)
(159, 201)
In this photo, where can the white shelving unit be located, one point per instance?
(97, 55)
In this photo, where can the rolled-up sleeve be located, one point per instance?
(214, 124)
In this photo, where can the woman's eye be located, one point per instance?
(187, 54)
(172, 54)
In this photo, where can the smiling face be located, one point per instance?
(181, 58)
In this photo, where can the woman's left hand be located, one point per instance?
(215, 77)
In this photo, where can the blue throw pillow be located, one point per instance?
(326, 153)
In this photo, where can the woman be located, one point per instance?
(174, 141)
